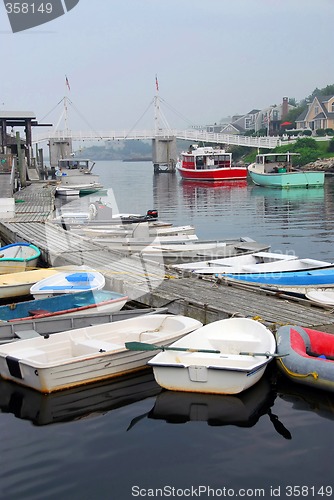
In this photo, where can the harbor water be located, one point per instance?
(127, 438)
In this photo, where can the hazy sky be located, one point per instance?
(213, 58)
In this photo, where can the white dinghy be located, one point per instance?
(82, 279)
(223, 357)
(76, 357)
(259, 262)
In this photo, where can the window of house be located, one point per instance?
(333, 107)
(316, 110)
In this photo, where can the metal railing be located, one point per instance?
(188, 135)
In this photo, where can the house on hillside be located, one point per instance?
(269, 118)
(241, 123)
(319, 114)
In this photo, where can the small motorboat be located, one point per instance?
(69, 281)
(310, 356)
(18, 257)
(64, 304)
(85, 355)
(223, 357)
(19, 284)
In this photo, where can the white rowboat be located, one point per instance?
(86, 355)
(70, 281)
(243, 348)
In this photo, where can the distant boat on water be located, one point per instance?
(275, 170)
(209, 164)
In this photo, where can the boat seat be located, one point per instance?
(235, 345)
(27, 334)
(92, 346)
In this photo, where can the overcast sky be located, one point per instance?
(213, 58)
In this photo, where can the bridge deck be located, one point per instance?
(146, 281)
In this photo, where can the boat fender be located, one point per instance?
(92, 211)
(47, 336)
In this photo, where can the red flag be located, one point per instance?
(67, 84)
(156, 83)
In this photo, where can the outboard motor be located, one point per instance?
(152, 214)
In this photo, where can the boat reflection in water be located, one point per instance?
(75, 404)
(200, 195)
(303, 398)
(242, 410)
(296, 194)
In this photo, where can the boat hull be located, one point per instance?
(288, 179)
(88, 355)
(207, 381)
(310, 359)
(221, 174)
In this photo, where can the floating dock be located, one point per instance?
(148, 282)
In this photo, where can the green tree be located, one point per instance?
(305, 142)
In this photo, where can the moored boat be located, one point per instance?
(76, 357)
(18, 257)
(293, 282)
(77, 174)
(310, 359)
(19, 284)
(209, 164)
(257, 262)
(187, 251)
(64, 304)
(322, 297)
(69, 281)
(12, 331)
(223, 357)
(276, 170)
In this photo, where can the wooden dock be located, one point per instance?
(146, 281)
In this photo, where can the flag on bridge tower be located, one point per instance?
(156, 83)
(67, 83)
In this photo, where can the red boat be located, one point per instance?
(209, 164)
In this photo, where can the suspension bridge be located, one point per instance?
(163, 137)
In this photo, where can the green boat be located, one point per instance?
(276, 170)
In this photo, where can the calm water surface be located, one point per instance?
(127, 438)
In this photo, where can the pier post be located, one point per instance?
(164, 154)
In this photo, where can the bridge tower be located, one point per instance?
(164, 151)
